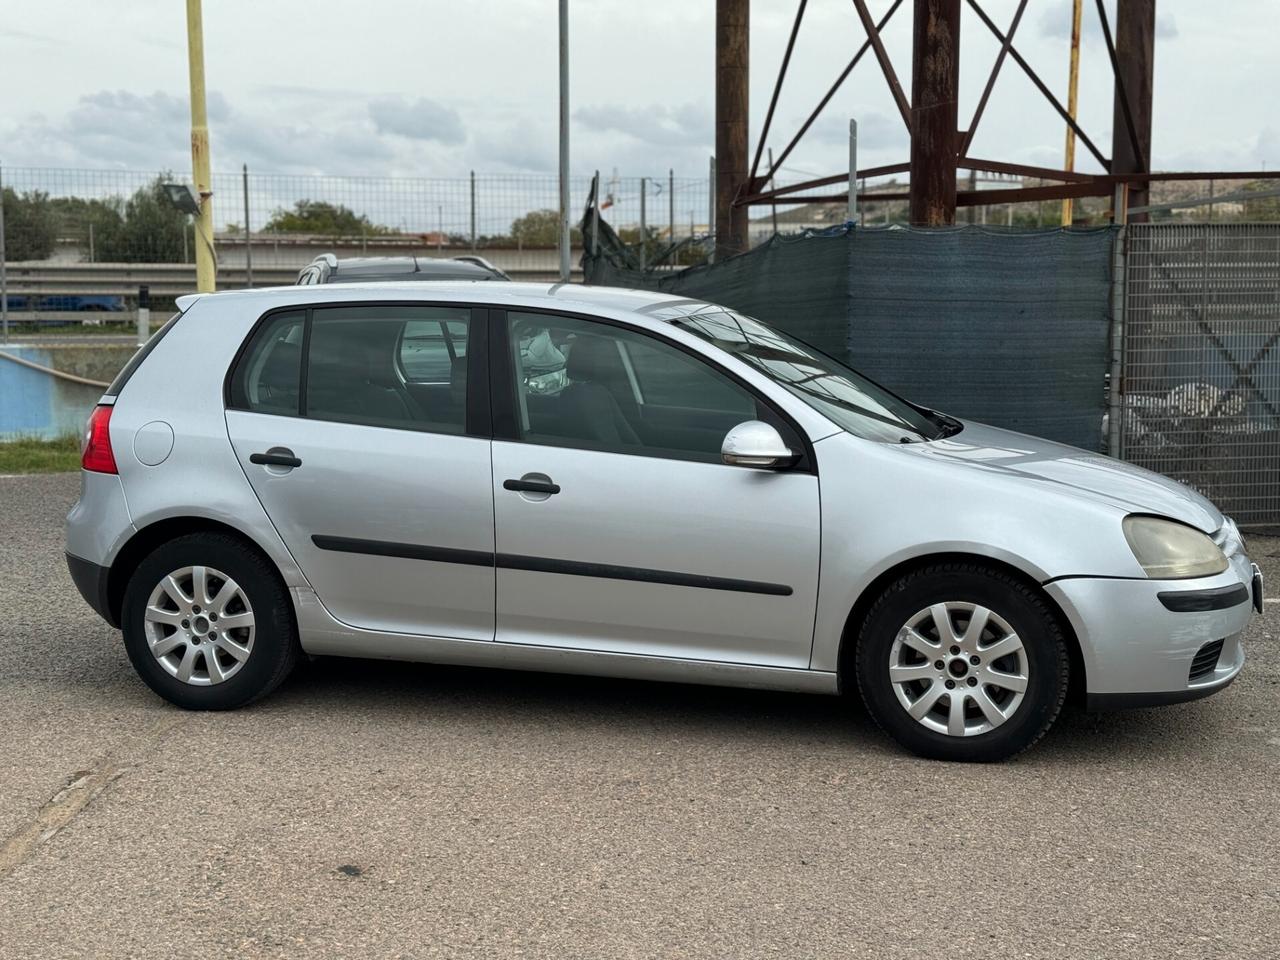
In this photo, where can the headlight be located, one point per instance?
(1172, 551)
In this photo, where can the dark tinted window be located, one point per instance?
(596, 386)
(389, 366)
(268, 377)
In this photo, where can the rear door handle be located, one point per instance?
(276, 457)
(531, 486)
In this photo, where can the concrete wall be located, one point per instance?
(36, 404)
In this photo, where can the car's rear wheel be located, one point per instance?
(208, 624)
(957, 662)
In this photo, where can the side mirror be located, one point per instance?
(756, 444)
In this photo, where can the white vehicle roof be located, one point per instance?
(571, 297)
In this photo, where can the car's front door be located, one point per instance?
(619, 528)
(364, 432)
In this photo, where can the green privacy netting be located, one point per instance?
(1008, 327)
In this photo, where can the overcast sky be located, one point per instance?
(440, 87)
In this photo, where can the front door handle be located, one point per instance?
(531, 486)
(276, 457)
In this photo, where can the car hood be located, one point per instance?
(1130, 488)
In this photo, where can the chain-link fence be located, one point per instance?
(79, 243)
(1202, 361)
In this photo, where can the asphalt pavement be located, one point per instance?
(386, 810)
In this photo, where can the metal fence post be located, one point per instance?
(671, 203)
(248, 233)
(473, 211)
(644, 230)
(1115, 389)
(144, 315)
(563, 239)
(853, 171)
(4, 280)
(711, 212)
(595, 214)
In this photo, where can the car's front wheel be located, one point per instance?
(958, 662)
(208, 624)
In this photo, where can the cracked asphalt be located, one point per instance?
(388, 810)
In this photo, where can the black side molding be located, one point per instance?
(407, 551)
(1198, 601)
(572, 568)
(606, 571)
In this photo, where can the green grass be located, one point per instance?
(35, 455)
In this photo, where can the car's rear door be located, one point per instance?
(619, 528)
(364, 431)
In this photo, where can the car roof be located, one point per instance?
(359, 269)
(565, 296)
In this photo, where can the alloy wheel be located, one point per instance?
(958, 669)
(199, 625)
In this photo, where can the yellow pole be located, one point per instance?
(1070, 160)
(206, 261)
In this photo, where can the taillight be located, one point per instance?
(97, 455)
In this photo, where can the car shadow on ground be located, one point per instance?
(601, 706)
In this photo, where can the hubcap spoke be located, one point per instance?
(921, 671)
(179, 596)
(188, 664)
(955, 715)
(919, 643)
(167, 644)
(200, 585)
(1009, 681)
(212, 666)
(235, 621)
(1002, 647)
(218, 602)
(241, 653)
(927, 700)
(989, 709)
(942, 621)
(977, 623)
(170, 617)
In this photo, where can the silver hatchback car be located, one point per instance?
(612, 482)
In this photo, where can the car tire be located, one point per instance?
(208, 623)
(910, 675)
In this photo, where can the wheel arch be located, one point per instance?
(160, 532)
(862, 606)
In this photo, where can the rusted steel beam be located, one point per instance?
(991, 80)
(1025, 170)
(1040, 85)
(1131, 114)
(935, 81)
(868, 173)
(1197, 175)
(732, 45)
(777, 89)
(1056, 191)
(886, 67)
(1121, 94)
(844, 74)
(840, 198)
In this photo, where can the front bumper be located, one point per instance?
(1139, 638)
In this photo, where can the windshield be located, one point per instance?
(844, 396)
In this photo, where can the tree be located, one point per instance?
(541, 228)
(151, 230)
(317, 216)
(94, 224)
(29, 229)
